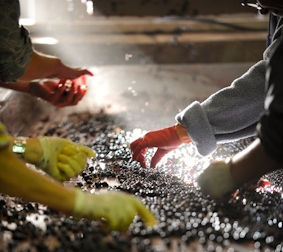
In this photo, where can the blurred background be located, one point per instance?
(151, 58)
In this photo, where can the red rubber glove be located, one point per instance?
(166, 140)
(62, 93)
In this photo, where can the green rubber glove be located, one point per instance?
(216, 181)
(63, 159)
(113, 210)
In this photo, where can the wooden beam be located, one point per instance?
(168, 7)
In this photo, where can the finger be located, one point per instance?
(73, 148)
(141, 158)
(69, 150)
(124, 223)
(159, 154)
(113, 223)
(74, 73)
(75, 85)
(66, 171)
(147, 216)
(69, 96)
(138, 146)
(57, 96)
(80, 158)
(86, 72)
(55, 173)
(78, 96)
(134, 144)
(88, 151)
(123, 217)
(76, 162)
(62, 82)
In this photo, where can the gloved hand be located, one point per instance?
(113, 210)
(166, 140)
(4, 137)
(60, 93)
(216, 181)
(62, 159)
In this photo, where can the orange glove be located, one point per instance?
(166, 140)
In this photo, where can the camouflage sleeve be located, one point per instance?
(15, 44)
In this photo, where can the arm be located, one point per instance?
(231, 113)
(20, 64)
(15, 180)
(56, 92)
(220, 179)
(270, 127)
(264, 155)
(59, 157)
(226, 115)
(21, 86)
(46, 66)
(252, 163)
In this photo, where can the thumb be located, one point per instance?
(88, 151)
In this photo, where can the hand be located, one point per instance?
(113, 210)
(46, 66)
(216, 181)
(66, 72)
(61, 158)
(166, 140)
(59, 93)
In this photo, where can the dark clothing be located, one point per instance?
(15, 45)
(270, 127)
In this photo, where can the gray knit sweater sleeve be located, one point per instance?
(228, 115)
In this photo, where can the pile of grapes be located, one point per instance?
(251, 219)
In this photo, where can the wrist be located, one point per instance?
(33, 87)
(18, 146)
(79, 203)
(182, 134)
(33, 151)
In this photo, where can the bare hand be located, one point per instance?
(46, 66)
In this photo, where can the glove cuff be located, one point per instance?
(83, 206)
(80, 202)
(182, 134)
(42, 163)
